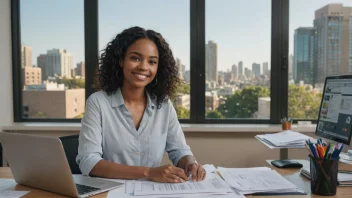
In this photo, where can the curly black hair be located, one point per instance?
(110, 75)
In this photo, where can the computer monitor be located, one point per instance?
(335, 113)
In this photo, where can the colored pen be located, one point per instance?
(310, 151)
(320, 151)
(327, 151)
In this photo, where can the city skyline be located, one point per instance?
(68, 29)
(324, 49)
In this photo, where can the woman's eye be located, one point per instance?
(152, 62)
(135, 58)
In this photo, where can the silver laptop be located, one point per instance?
(40, 162)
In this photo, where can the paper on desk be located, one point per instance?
(6, 184)
(285, 139)
(271, 146)
(252, 180)
(209, 168)
(127, 192)
(345, 158)
(243, 169)
(211, 185)
(12, 194)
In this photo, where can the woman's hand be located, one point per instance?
(197, 170)
(167, 173)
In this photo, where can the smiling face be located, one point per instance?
(140, 64)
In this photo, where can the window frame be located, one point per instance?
(279, 62)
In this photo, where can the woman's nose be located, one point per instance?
(143, 65)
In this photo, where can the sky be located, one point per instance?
(241, 29)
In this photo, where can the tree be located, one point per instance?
(72, 83)
(214, 114)
(244, 102)
(303, 103)
(183, 88)
(182, 113)
(79, 116)
(39, 114)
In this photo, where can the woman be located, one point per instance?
(129, 124)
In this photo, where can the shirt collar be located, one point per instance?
(117, 99)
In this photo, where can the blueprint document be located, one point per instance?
(210, 185)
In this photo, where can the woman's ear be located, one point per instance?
(121, 63)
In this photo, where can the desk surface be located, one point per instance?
(292, 175)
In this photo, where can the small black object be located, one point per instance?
(286, 164)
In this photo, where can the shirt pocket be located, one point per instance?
(156, 149)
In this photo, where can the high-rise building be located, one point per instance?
(73, 72)
(179, 67)
(26, 56)
(248, 73)
(41, 62)
(256, 69)
(183, 71)
(290, 67)
(266, 68)
(240, 69)
(228, 77)
(235, 72)
(81, 69)
(303, 49)
(333, 26)
(59, 63)
(211, 62)
(221, 78)
(31, 76)
(188, 76)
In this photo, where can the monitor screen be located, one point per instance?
(335, 114)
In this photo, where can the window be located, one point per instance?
(170, 18)
(231, 55)
(237, 59)
(61, 36)
(317, 49)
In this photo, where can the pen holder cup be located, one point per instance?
(286, 125)
(323, 174)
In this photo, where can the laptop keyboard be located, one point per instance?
(82, 189)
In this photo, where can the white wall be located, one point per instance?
(6, 99)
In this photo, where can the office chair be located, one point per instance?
(70, 144)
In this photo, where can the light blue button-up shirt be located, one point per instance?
(108, 132)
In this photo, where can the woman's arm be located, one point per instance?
(179, 152)
(185, 160)
(167, 173)
(107, 169)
